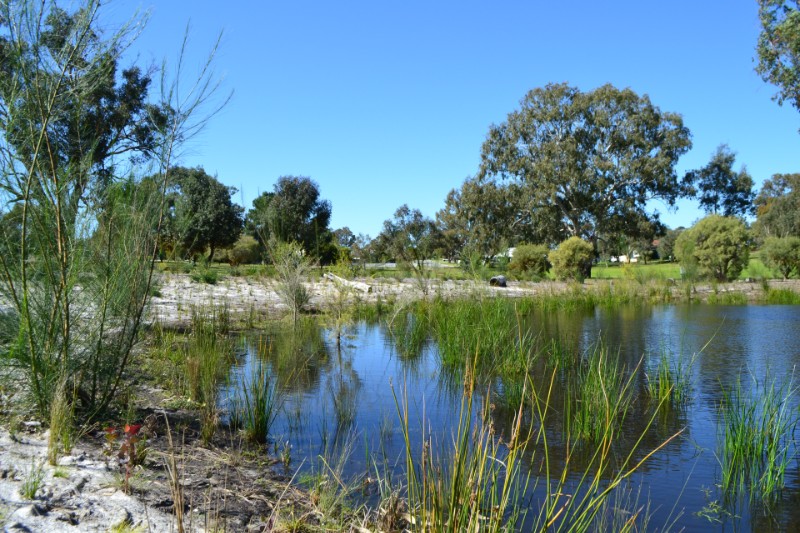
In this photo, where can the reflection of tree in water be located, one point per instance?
(344, 386)
(297, 355)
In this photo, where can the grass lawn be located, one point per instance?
(755, 269)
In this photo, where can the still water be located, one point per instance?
(347, 397)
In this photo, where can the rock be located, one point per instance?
(498, 281)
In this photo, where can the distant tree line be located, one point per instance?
(567, 163)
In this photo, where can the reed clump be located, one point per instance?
(756, 439)
(255, 402)
(669, 383)
(599, 397)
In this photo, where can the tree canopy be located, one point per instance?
(716, 247)
(593, 158)
(779, 48)
(778, 206)
(723, 191)
(204, 215)
(294, 212)
(410, 237)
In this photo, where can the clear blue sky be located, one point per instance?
(388, 102)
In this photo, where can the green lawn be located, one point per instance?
(755, 269)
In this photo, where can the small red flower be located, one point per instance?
(110, 430)
(132, 429)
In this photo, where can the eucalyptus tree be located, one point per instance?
(779, 48)
(722, 190)
(411, 238)
(594, 158)
(75, 132)
(486, 217)
(778, 206)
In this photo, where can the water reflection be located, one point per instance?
(333, 394)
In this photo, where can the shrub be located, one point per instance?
(245, 251)
(716, 247)
(782, 254)
(572, 259)
(530, 260)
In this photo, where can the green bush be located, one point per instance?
(782, 254)
(245, 251)
(530, 260)
(572, 259)
(716, 247)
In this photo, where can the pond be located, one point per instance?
(344, 401)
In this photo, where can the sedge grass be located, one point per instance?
(601, 397)
(781, 297)
(476, 486)
(255, 403)
(669, 383)
(756, 440)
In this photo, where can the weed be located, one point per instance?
(33, 481)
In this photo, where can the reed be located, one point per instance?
(757, 439)
(669, 383)
(476, 486)
(256, 402)
(599, 397)
(476, 481)
(781, 297)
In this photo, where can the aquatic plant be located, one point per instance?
(669, 383)
(255, 402)
(599, 397)
(756, 439)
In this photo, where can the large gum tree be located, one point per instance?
(595, 158)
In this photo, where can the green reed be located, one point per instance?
(256, 402)
(599, 396)
(757, 439)
(669, 383)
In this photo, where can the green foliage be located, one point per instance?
(246, 250)
(255, 403)
(779, 48)
(571, 258)
(483, 216)
(205, 217)
(530, 260)
(756, 439)
(292, 268)
(413, 239)
(615, 151)
(722, 190)
(778, 207)
(717, 247)
(294, 212)
(782, 296)
(77, 267)
(782, 254)
(666, 244)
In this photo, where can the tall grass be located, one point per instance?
(475, 486)
(669, 383)
(756, 439)
(476, 481)
(599, 397)
(255, 402)
(782, 297)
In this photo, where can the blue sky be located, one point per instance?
(386, 102)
